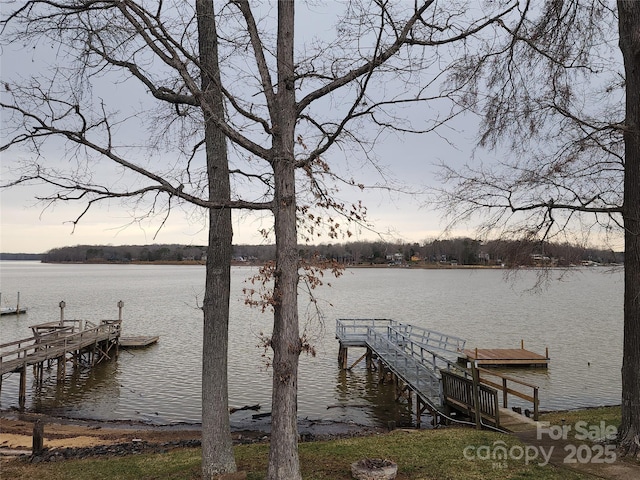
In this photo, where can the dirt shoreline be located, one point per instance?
(16, 433)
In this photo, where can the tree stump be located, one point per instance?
(374, 469)
(37, 444)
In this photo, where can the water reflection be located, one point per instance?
(364, 395)
(93, 390)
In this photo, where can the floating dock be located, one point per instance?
(505, 357)
(12, 311)
(17, 310)
(138, 342)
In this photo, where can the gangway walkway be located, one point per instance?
(426, 362)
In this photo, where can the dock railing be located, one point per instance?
(459, 391)
(355, 330)
(504, 387)
(423, 352)
(412, 371)
(434, 340)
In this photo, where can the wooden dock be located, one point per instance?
(506, 357)
(424, 364)
(81, 343)
(138, 342)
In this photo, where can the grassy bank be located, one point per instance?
(424, 454)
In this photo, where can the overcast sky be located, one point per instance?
(409, 160)
(30, 226)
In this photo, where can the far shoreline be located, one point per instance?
(383, 266)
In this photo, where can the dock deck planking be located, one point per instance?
(13, 311)
(138, 342)
(505, 357)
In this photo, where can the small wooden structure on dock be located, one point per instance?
(506, 357)
(83, 343)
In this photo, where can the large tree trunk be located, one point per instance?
(629, 26)
(217, 448)
(283, 454)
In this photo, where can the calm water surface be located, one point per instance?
(579, 318)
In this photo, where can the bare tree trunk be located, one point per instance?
(283, 454)
(629, 26)
(217, 448)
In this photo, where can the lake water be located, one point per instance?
(578, 317)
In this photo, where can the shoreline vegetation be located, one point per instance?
(78, 449)
(450, 253)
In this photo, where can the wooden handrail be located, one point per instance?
(459, 390)
(511, 379)
(506, 390)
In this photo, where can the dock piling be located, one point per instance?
(22, 394)
(37, 444)
(62, 304)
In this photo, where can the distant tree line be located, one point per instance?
(125, 254)
(21, 256)
(455, 251)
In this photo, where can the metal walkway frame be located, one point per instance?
(413, 354)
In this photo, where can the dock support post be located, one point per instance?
(37, 445)
(22, 394)
(62, 305)
(420, 408)
(476, 394)
(60, 370)
(383, 373)
(504, 393)
(342, 357)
